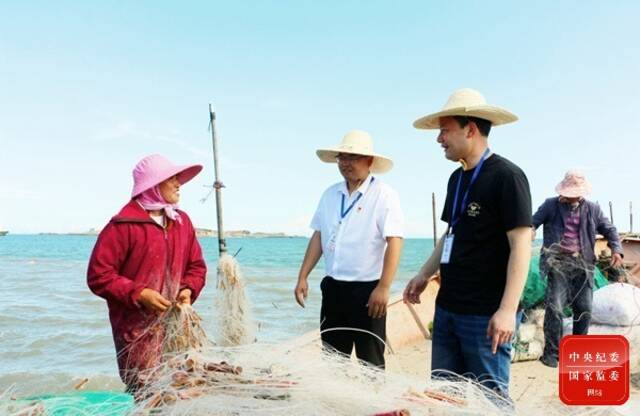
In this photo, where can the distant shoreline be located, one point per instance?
(202, 232)
(256, 235)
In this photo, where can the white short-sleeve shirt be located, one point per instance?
(353, 247)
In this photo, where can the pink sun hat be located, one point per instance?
(574, 185)
(155, 169)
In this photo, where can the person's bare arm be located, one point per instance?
(418, 284)
(311, 257)
(379, 298)
(502, 324)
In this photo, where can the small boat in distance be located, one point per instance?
(3, 232)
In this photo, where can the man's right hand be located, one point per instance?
(414, 288)
(153, 301)
(301, 291)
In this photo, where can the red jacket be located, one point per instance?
(133, 252)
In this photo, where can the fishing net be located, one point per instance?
(237, 376)
(569, 280)
(196, 377)
(291, 378)
(536, 284)
(571, 288)
(234, 321)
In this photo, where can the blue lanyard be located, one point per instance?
(344, 213)
(455, 215)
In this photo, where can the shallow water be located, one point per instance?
(54, 332)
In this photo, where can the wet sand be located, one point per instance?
(533, 386)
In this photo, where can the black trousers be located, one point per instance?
(344, 305)
(569, 283)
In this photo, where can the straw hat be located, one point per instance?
(155, 169)
(470, 103)
(357, 142)
(574, 185)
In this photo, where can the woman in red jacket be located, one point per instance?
(146, 258)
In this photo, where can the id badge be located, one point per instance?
(332, 240)
(446, 249)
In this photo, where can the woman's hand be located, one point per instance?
(184, 297)
(153, 301)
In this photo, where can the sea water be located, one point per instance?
(54, 332)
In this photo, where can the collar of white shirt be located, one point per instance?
(361, 189)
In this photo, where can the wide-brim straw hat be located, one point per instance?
(574, 185)
(357, 142)
(470, 103)
(155, 169)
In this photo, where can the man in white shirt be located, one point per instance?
(358, 226)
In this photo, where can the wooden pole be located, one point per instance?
(433, 212)
(611, 211)
(222, 244)
(630, 217)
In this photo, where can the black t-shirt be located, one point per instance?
(474, 279)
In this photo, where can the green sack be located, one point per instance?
(103, 403)
(533, 294)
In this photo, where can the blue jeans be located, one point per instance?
(460, 345)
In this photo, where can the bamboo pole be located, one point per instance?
(433, 213)
(611, 211)
(222, 244)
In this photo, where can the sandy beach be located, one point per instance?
(533, 386)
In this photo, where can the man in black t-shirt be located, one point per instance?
(484, 256)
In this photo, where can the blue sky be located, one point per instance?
(88, 89)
